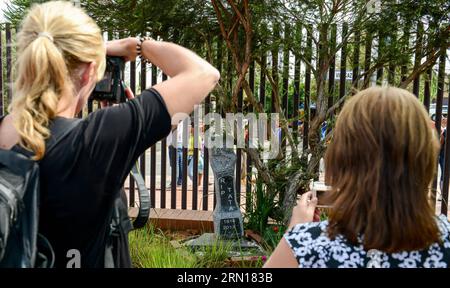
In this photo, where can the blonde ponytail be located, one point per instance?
(54, 40)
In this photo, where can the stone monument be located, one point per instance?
(227, 216)
(228, 223)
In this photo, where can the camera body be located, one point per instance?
(319, 190)
(111, 88)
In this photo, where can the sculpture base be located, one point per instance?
(235, 248)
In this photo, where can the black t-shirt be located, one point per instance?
(82, 176)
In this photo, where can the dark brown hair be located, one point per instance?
(380, 164)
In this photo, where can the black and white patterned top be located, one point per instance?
(313, 249)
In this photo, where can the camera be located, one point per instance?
(319, 190)
(111, 87)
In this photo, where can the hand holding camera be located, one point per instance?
(125, 48)
(112, 88)
(305, 210)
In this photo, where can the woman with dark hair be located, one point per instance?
(380, 165)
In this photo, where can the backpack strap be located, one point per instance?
(144, 199)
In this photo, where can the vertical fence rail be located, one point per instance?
(163, 165)
(248, 184)
(185, 134)
(307, 88)
(445, 184)
(356, 53)
(380, 49)
(439, 104)
(285, 78)
(154, 80)
(143, 85)
(195, 158)
(367, 59)
(1, 73)
(297, 72)
(418, 57)
(8, 62)
(332, 69)
(133, 88)
(274, 52)
(427, 91)
(343, 71)
(239, 150)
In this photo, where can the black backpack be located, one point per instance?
(21, 245)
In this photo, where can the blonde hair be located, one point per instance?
(54, 39)
(380, 164)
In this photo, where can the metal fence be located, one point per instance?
(287, 70)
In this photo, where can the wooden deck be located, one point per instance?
(177, 219)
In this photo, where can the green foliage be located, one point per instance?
(272, 236)
(214, 256)
(150, 248)
(259, 209)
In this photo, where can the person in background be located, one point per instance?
(380, 165)
(193, 145)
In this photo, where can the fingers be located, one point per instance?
(316, 217)
(307, 199)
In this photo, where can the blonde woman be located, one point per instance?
(61, 56)
(380, 165)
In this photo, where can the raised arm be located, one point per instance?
(191, 77)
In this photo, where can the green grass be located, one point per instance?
(151, 248)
